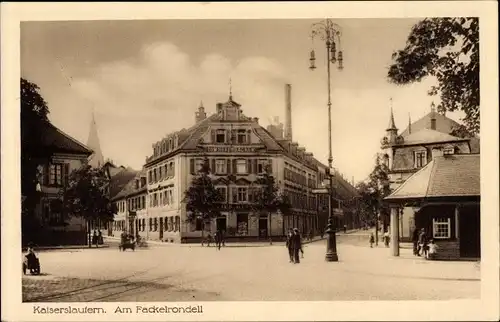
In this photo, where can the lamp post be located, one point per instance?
(329, 32)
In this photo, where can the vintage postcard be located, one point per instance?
(250, 161)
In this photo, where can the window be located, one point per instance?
(156, 224)
(199, 164)
(220, 166)
(241, 166)
(143, 224)
(171, 169)
(223, 193)
(55, 174)
(242, 136)
(242, 194)
(155, 199)
(155, 177)
(441, 228)
(161, 199)
(160, 169)
(144, 202)
(150, 224)
(220, 136)
(261, 167)
(171, 196)
(177, 223)
(150, 175)
(420, 159)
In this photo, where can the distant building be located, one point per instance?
(415, 147)
(238, 149)
(67, 155)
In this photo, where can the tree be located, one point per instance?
(85, 196)
(34, 111)
(268, 199)
(448, 49)
(201, 198)
(372, 193)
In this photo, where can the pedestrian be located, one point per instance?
(289, 245)
(297, 246)
(372, 240)
(422, 243)
(432, 250)
(218, 239)
(387, 238)
(414, 239)
(100, 239)
(345, 229)
(94, 238)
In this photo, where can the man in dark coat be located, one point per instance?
(289, 245)
(414, 239)
(296, 245)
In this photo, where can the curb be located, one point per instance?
(70, 247)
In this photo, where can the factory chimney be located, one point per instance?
(288, 112)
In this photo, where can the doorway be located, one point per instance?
(221, 223)
(470, 231)
(263, 227)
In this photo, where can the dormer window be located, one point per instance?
(220, 136)
(420, 157)
(448, 150)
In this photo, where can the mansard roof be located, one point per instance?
(439, 179)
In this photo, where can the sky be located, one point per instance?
(144, 79)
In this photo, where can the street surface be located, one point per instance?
(182, 273)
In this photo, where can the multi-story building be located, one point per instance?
(67, 155)
(239, 150)
(421, 142)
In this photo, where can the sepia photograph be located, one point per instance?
(201, 160)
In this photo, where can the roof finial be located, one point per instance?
(230, 89)
(433, 107)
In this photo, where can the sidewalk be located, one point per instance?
(235, 244)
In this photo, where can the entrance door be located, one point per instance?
(263, 227)
(470, 228)
(161, 227)
(221, 224)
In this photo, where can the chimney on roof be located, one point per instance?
(288, 111)
(433, 116)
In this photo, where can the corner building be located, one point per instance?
(238, 149)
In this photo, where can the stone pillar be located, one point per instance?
(395, 231)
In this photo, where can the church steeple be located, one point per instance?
(392, 130)
(392, 124)
(201, 114)
(97, 159)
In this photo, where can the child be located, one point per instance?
(372, 240)
(431, 254)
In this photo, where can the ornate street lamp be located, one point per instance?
(330, 33)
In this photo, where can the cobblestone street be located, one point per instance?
(181, 273)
